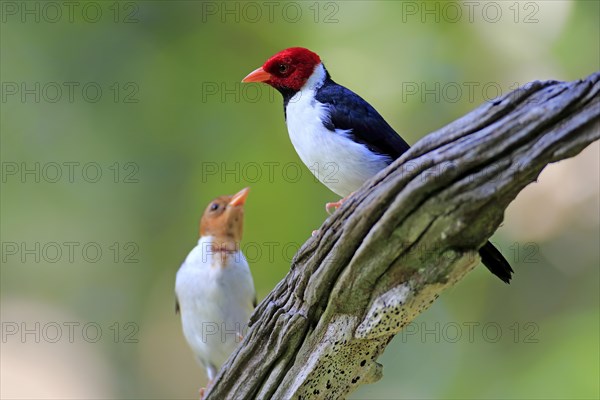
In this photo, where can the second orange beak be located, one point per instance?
(239, 198)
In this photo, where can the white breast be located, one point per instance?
(337, 161)
(215, 302)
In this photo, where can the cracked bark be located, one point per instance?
(395, 245)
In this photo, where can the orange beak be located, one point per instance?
(239, 198)
(258, 75)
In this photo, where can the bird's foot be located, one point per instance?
(239, 337)
(337, 204)
(204, 389)
(331, 207)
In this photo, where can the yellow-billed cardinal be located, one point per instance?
(335, 130)
(214, 287)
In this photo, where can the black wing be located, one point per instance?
(349, 111)
(176, 305)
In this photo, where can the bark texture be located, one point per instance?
(395, 245)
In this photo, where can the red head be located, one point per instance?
(287, 70)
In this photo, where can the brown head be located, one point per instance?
(223, 219)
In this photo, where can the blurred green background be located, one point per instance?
(120, 121)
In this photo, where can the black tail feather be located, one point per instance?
(495, 262)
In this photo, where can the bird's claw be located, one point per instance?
(334, 206)
(204, 389)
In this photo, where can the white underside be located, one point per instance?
(215, 303)
(337, 161)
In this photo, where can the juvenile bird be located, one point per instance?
(214, 288)
(342, 139)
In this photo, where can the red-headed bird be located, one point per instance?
(335, 130)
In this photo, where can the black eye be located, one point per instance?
(283, 68)
(214, 207)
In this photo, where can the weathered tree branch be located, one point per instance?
(408, 234)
